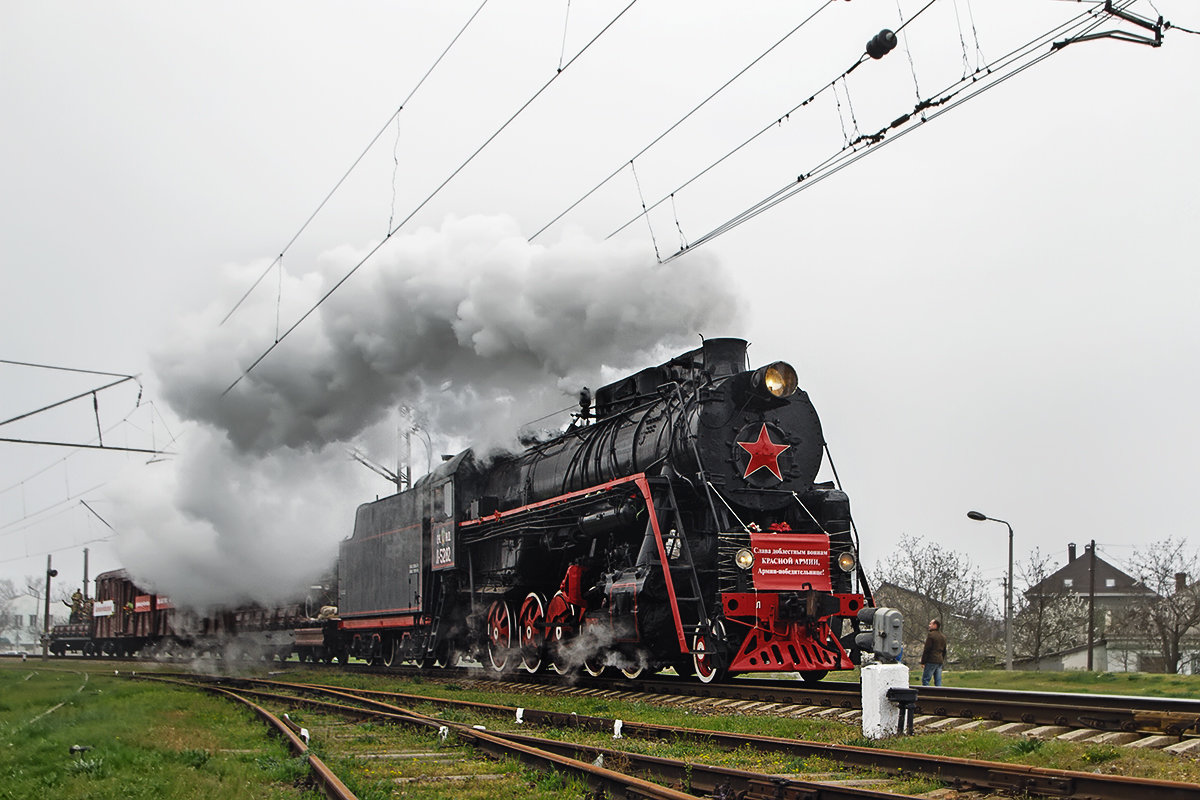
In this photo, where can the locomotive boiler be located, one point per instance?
(675, 523)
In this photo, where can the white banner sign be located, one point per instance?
(103, 608)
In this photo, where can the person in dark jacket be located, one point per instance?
(934, 654)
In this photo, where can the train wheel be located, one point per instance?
(595, 662)
(532, 619)
(813, 675)
(561, 618)
(499, 633)
(597, 655)
(704, 646)
(633, 664)
(390, 646)
(445, 655)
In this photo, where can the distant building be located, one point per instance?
(1075, 658)
(1116, 597)
(21, 623)
(1114, 590)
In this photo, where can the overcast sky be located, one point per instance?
(996, 312)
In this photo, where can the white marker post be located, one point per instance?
(881, 716)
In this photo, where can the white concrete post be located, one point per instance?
(881, 717)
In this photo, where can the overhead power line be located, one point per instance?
(1078, 28)
(370, 254)
(80, 445)
(680, 121)
(66, 369)
(354, 165)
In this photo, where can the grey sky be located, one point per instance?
(994, 312)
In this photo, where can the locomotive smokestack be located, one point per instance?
(1070, 552)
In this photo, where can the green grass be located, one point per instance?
(143, 741)
(1128, 683)
(372, 778)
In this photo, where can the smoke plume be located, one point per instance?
(469, 329)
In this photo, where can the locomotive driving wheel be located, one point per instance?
(596, 657)
(633, 663)
(499, 635)
(705, 647)
(562, 620)
(532, 620)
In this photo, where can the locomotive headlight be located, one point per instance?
(778, 379)
(847, 561)
(744, 558)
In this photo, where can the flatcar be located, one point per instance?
(125, 620)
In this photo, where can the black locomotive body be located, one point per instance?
(677, 523)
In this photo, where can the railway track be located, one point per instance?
(1122, 719)
(588, 760)
(1127, 718)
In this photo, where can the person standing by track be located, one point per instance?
(934, 654)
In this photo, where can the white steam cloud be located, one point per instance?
(471, 327)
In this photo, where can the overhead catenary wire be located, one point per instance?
(680, 121)
(56, 549)
(371, 253)
(67, 369)
(943, 101)
(778, 120)
(353, 166)
(91, 392)
(29, 520)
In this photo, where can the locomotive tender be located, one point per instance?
(677, 523)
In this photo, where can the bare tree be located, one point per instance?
(1169, 613)
(9, 621)
(926, 581)
(1048, 618)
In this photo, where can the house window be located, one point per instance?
(1068, 583)
(33, 620)
(1110, 583)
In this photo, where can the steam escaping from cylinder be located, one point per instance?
(469, 329)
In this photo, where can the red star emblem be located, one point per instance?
(764, 454)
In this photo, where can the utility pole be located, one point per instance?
(50, 573)
(407, 459)
(1091, 601)
(85, 574)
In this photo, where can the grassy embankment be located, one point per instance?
(132, 740)
(170, 742)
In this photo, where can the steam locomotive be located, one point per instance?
(676, 523)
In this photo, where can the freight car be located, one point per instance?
(125, 620)
(676, 523)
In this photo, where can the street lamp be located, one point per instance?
(50, 573)
(424, 435)
(1008, 607)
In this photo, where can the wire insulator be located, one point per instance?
(881, 44)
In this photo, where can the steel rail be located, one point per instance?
(331, 785)
(495, 745)
(1100, 712)
(692, 776)
(1128, 713)
(958, 772)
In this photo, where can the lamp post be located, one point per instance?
(50, 573)
(424, 434)
(1008, 607)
